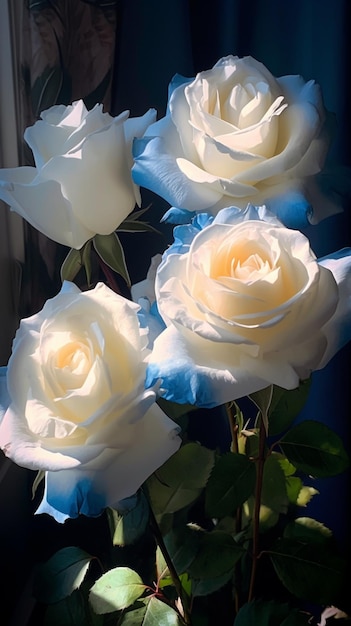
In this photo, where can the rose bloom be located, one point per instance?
(246, 304)
(78, 406)
(81, 185)
(236, 134)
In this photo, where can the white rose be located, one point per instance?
(79, 409)
(246, 304)
(82, 183)
(236, 134)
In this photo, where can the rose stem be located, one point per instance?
(258, 493)
(173, 573)
(234, 429)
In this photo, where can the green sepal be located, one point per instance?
(133, 224)
(110, 250)
(74, 261)
(61, 574)
(316, 450)
(118, 589)
(232, 481)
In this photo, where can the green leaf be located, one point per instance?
(293, 488)
(130, 525)
(110, 250)
(261, 613)
(210, 585)
(315, 449)
(274, 494)
(232, 481)
(116, 590)
(182, 545)
(286, 405)
(72, 611)
(181, 479)
(309, 570)
(61, 574)
(149, 612)
(217, 555)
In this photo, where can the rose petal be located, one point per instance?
(70, 493)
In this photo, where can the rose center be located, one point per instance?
(73, 358)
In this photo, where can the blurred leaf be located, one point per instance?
(308, 530)
(267, 518)
(61, 574)
(286, 405)
(232, 481)
(181, 479)
(116, 590)
(261, 613)
(288, 468)
(130, 525)
(72, 611)
(110, 250)
(309, 570)
(149, 612)
(306, 494)
(293, 488)
(315, 449)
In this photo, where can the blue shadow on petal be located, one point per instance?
(181, 383)
(83, 500)
(293, 210)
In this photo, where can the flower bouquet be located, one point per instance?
(109, 396)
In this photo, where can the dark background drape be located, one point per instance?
(124, 53)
